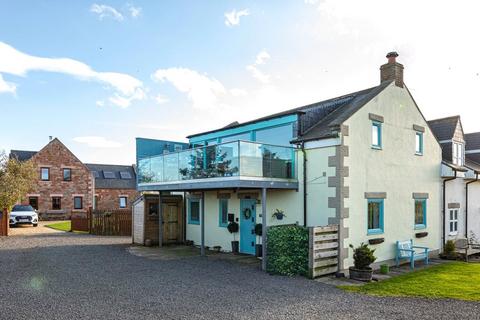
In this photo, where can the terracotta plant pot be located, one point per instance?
(361, 275)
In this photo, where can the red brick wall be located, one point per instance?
(56, 157)
(108, 199)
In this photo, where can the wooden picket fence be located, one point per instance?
(323, 250)
(116, 222)
(111, 223)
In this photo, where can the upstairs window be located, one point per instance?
(67, 174)
(376, 135)
(45, 174)
(419, 143)
(457, 153)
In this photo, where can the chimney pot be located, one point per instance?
(392, 70)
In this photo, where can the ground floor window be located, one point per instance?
(420, 213)
(56, 203)
(375, 216)
(194, 211)
(33, 201)
(77, 203)
(453, 215)
(123, 202)
(223, 212)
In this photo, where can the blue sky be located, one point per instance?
(97, 74)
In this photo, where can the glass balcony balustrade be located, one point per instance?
(231, 159)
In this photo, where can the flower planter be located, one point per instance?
(258, 250)
(361, 275)
(235, 247)
(421, 234)
(376, 241)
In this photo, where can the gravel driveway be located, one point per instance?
(58, 275)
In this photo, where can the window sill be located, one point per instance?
(194, 222)
(376, 147)
(418, 154)
(223, 225)
(374, 231)
(420, 226)
(454, 233)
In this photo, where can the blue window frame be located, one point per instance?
(223, 212)
(419, 143)
(375, 216)
(194, 211)
(420, 213)
(376, 135)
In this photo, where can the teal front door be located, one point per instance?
(247, 225)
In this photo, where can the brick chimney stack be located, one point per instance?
(392, 70)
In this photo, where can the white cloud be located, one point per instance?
(203, 91)
(161, 99)
(97, 142)
(105, 11)
(100, 103)
(135, 12)
(236, 92)
(259, 75)
(18, 63)
(262, 57)
(233, 18)
(6, 86)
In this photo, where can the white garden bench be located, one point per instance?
(406, 250)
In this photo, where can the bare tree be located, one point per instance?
(16, 180)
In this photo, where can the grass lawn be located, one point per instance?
(456, 280)
(62, 226)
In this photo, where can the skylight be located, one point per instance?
(108, 175)
(125, 175)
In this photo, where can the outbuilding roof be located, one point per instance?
(110, 176)
(22, 155)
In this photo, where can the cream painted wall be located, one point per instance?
(395, 170)
(474, 209)
(318, 191)
(455, 193)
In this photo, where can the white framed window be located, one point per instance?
(457, 153)
(453, 221)
(376, 135)
(123, 202)
(419, 143)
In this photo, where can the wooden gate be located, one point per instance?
(323, 250)
(171, 216)
(111, 223)
(80, 222)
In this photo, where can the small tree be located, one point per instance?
(16, 180)
(363, 256)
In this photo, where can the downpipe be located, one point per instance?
(466, 204)
(444, 206)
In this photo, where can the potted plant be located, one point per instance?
(362, 259)
(258, 246)
(233, 228)
(449, 251)
(279, 214)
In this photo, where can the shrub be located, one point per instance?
(232, 227)
(449, 248)
(363, 256)
(287, 250)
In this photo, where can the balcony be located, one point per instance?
(237, 164)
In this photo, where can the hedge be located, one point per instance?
(287, 250)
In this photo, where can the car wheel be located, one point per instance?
(35, 224)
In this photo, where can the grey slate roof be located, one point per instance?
(444, 128)
(472, 141)
(337, 110)
(117, 183)
(22, 155)
(321, 119)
